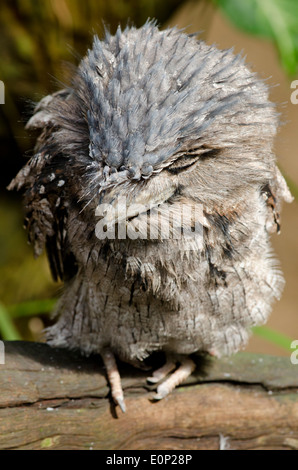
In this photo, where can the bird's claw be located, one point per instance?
(120, 401)
(171, 381)
(162, 373)
(187, 366)
(113, 378)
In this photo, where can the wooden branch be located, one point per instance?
(54, 399)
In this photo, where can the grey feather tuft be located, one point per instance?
(166, 121)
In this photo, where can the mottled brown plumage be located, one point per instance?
(158, 119)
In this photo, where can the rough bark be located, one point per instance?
(54, 399)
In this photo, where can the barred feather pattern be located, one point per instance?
(157, 116)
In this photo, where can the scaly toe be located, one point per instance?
(161, 373)
(180, 375)
(113, 378)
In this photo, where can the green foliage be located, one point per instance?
(273, 19)
(292, 186)
(34, 307)
(7, 329)
(273, 337)
(22, 277)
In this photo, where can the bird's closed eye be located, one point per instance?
(183, 163)
(190, 158)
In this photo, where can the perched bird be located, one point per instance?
(154, 190)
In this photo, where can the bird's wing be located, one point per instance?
(43, 181)
(275, 192)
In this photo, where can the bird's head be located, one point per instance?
(156, 117)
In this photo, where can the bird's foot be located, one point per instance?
(162, 373)
(213, 353)
(185, 369)
(113, 378)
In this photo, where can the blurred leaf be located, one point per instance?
(274, 19)
(274, 337)
(293, 187)
(29, 309)
(7, 329)
(22, 277)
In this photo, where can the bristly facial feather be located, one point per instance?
(163, 120)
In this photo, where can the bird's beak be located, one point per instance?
(128, 200)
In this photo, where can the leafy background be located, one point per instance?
(37, 38)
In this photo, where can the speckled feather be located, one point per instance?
(151, 113)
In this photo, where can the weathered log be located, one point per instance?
(55, 399)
